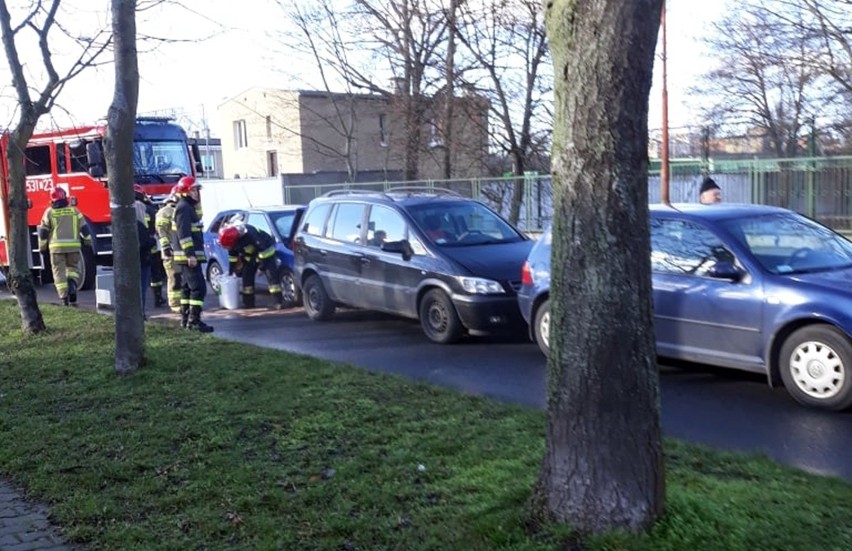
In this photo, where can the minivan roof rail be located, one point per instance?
(336, 192)
(424, 189)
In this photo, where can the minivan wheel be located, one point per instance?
(290, 294)
(814, 365)
(318, 305)
(542, 327)
(439, 319)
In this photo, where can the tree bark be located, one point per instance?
(118, 147)
(18, 243)
(603, 464)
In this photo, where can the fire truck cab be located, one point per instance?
(74, 160)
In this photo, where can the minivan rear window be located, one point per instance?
(315, 219)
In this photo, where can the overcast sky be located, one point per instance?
(224, 49)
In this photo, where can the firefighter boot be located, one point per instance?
(248, 300)
(184, 315)
(195, 323)
(277, 301)
(64, 301)
(72, 291)
(158, 296)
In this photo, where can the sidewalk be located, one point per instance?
(24, 525)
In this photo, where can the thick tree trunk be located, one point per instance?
(19, 247)
(129, 324)
(603, 464)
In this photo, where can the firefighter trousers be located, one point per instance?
(65, 265)
(173, 282)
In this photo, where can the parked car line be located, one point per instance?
(748, 287)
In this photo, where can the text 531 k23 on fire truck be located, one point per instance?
(73, 159)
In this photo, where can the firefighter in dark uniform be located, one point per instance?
(256, 250)
(158, 273)
(59, 232)
(188, 250)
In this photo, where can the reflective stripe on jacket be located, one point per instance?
(163, 223)
(188, 239)
(253, 243)
(60, 229)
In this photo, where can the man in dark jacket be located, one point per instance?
(709, 193)
(189, 254)
(256, 249)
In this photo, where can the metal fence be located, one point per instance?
(819, 187)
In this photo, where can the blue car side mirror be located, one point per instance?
(725, 270)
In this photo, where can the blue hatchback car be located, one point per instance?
(749, 287)
(278, 221)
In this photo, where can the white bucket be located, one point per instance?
(229, 292)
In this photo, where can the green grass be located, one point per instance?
(218, 445)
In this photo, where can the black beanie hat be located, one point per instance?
(708, 184)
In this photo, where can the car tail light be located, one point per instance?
(526, 274)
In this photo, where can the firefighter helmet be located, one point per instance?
(185, 184)
(228, 236)
(58, 194)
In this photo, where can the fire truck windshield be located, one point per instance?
(160, 161)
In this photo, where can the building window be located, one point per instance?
(208, 162)
(240, 134)
(383, 130)
(268, 127)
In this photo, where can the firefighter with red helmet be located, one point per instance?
(188, 251)
(59, 233)
(256, 249)
(163, 224)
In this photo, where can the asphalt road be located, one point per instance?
(720, 408)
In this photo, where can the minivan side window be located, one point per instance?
(385, 225)
(682, 247)
(315, 220)
(346, 223)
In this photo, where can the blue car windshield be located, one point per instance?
(462, 223)
(283, 222)
(788, 243)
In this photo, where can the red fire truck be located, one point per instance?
(73, 159)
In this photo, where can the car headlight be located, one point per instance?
(480, 286)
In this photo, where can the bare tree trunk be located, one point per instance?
(603, 463)
(118, 146)
(450, 90)
(18, 242)
(518, 169)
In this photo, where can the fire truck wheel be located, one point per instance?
(88, 268)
